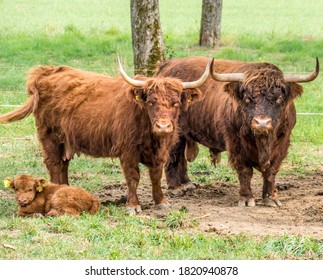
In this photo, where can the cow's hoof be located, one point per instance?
(271, 203)
(176, 192)
(251, 202)
(247, 203)
(188, 186)
(163, 205)
(38, 215)
(134, 210)
(241, 203)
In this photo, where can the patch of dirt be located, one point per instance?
(215, 206)
(4, 194)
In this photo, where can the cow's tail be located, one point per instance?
(24, 110)
(95, 206)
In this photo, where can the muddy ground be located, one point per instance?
(215, 206)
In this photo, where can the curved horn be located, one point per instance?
(294, 78)
(227, 77)
(136, 83)
(201, 80)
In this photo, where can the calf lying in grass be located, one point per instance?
(38, 198)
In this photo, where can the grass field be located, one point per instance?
(89, 35)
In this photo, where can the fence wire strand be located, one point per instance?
(301, 113)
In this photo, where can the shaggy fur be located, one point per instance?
(225, 120)
(37, 198)
(84, 112)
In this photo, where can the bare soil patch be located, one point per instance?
(215, 206)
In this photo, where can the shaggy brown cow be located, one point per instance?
(84, 112)
(35, 197)
(247, 110)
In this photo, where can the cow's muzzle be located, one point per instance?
(163, 126)
(262, 125)
(23, 201)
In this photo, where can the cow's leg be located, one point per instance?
(269, 192)
(215, 155)
(156, 173)
(246, 197)
(172, 174)
(70, 211)
(64, 172)
(183, 174)
(53, 213)
(130, 169)
(176, 168)
(53, 153)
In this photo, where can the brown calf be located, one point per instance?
(35, 197)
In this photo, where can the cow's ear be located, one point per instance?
(137, 94)
(40, 184)
(234, 89)
(8, 183)
(295, 90)
(193, 94)
(190, 95)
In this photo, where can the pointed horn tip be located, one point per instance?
(291, 78)
(131, 81)
(208, 66)
(212, 65)
(118, 62)
(201, 80)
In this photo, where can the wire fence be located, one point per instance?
(302, 113)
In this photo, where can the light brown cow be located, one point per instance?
(38, 198)
(84, 112)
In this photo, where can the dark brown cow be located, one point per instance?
(102, 116)
(247, 110)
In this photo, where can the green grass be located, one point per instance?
(112, 235)
(89, 35)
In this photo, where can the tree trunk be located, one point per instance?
(210, 33)
(147, 39)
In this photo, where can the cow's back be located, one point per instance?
(88, 112)
(207, 118)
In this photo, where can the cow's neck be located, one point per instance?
(264, 145)
(162, 145)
